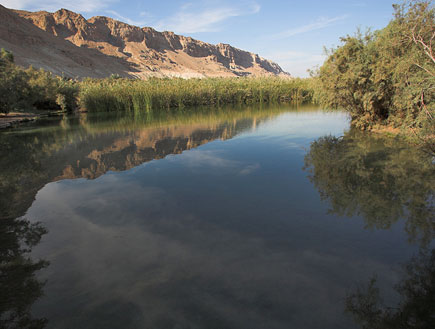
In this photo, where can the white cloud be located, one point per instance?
(319, 24)
(249, 169)
(82, 6)
(193, 18)
(297, 62)
(145, 14)
(198, 158)
(127, 20)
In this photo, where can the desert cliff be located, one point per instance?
(66, 43)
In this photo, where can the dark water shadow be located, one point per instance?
(19, 285)
(416, 306)
(387, 182)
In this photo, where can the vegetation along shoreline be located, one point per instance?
(385, 79)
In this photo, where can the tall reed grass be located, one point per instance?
(156, 93)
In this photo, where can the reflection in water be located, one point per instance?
(224, 234)
(381, 179)
(87, 146)
(416, 308)
(19, 285)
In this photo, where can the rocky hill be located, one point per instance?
(65, 42)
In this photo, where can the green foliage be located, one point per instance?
(386, 77)
(27, 90)
(38, 89)
(143, 95)
(379, 178)
(49, 92)
(12, 83)
(6, 57)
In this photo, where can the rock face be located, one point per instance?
(33, 46)
(101, 46)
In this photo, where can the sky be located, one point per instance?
(291, 33)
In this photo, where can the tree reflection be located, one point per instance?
(380, 178)
(18, 283)
(416, 308)
(87, 146)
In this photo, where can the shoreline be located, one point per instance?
(11, 119)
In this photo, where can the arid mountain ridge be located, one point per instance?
(66, 43)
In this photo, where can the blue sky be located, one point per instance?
(292, 33)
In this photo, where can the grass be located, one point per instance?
(157, 94)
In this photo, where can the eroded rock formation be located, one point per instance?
(66, 42)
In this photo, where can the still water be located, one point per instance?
(213, 218)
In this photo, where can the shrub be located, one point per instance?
(386, 77)
(33, 89)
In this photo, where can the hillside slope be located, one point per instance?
(66, 42)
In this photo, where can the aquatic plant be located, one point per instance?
(157, 93)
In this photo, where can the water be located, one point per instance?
(229, 218)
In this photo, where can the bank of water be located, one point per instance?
(226, 218)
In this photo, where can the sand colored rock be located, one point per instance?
(65, 42)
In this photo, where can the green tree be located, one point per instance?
(6, 57)
(31, 89)
(386, 77)
(12, 83)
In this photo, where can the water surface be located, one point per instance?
(239, 218)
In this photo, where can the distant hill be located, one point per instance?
(65, 42)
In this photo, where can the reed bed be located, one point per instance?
(157, 94)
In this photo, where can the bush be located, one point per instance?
(12, 83)
(386, 77)
(32, 89)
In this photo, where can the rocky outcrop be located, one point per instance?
(33, 46)
(141, 52)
